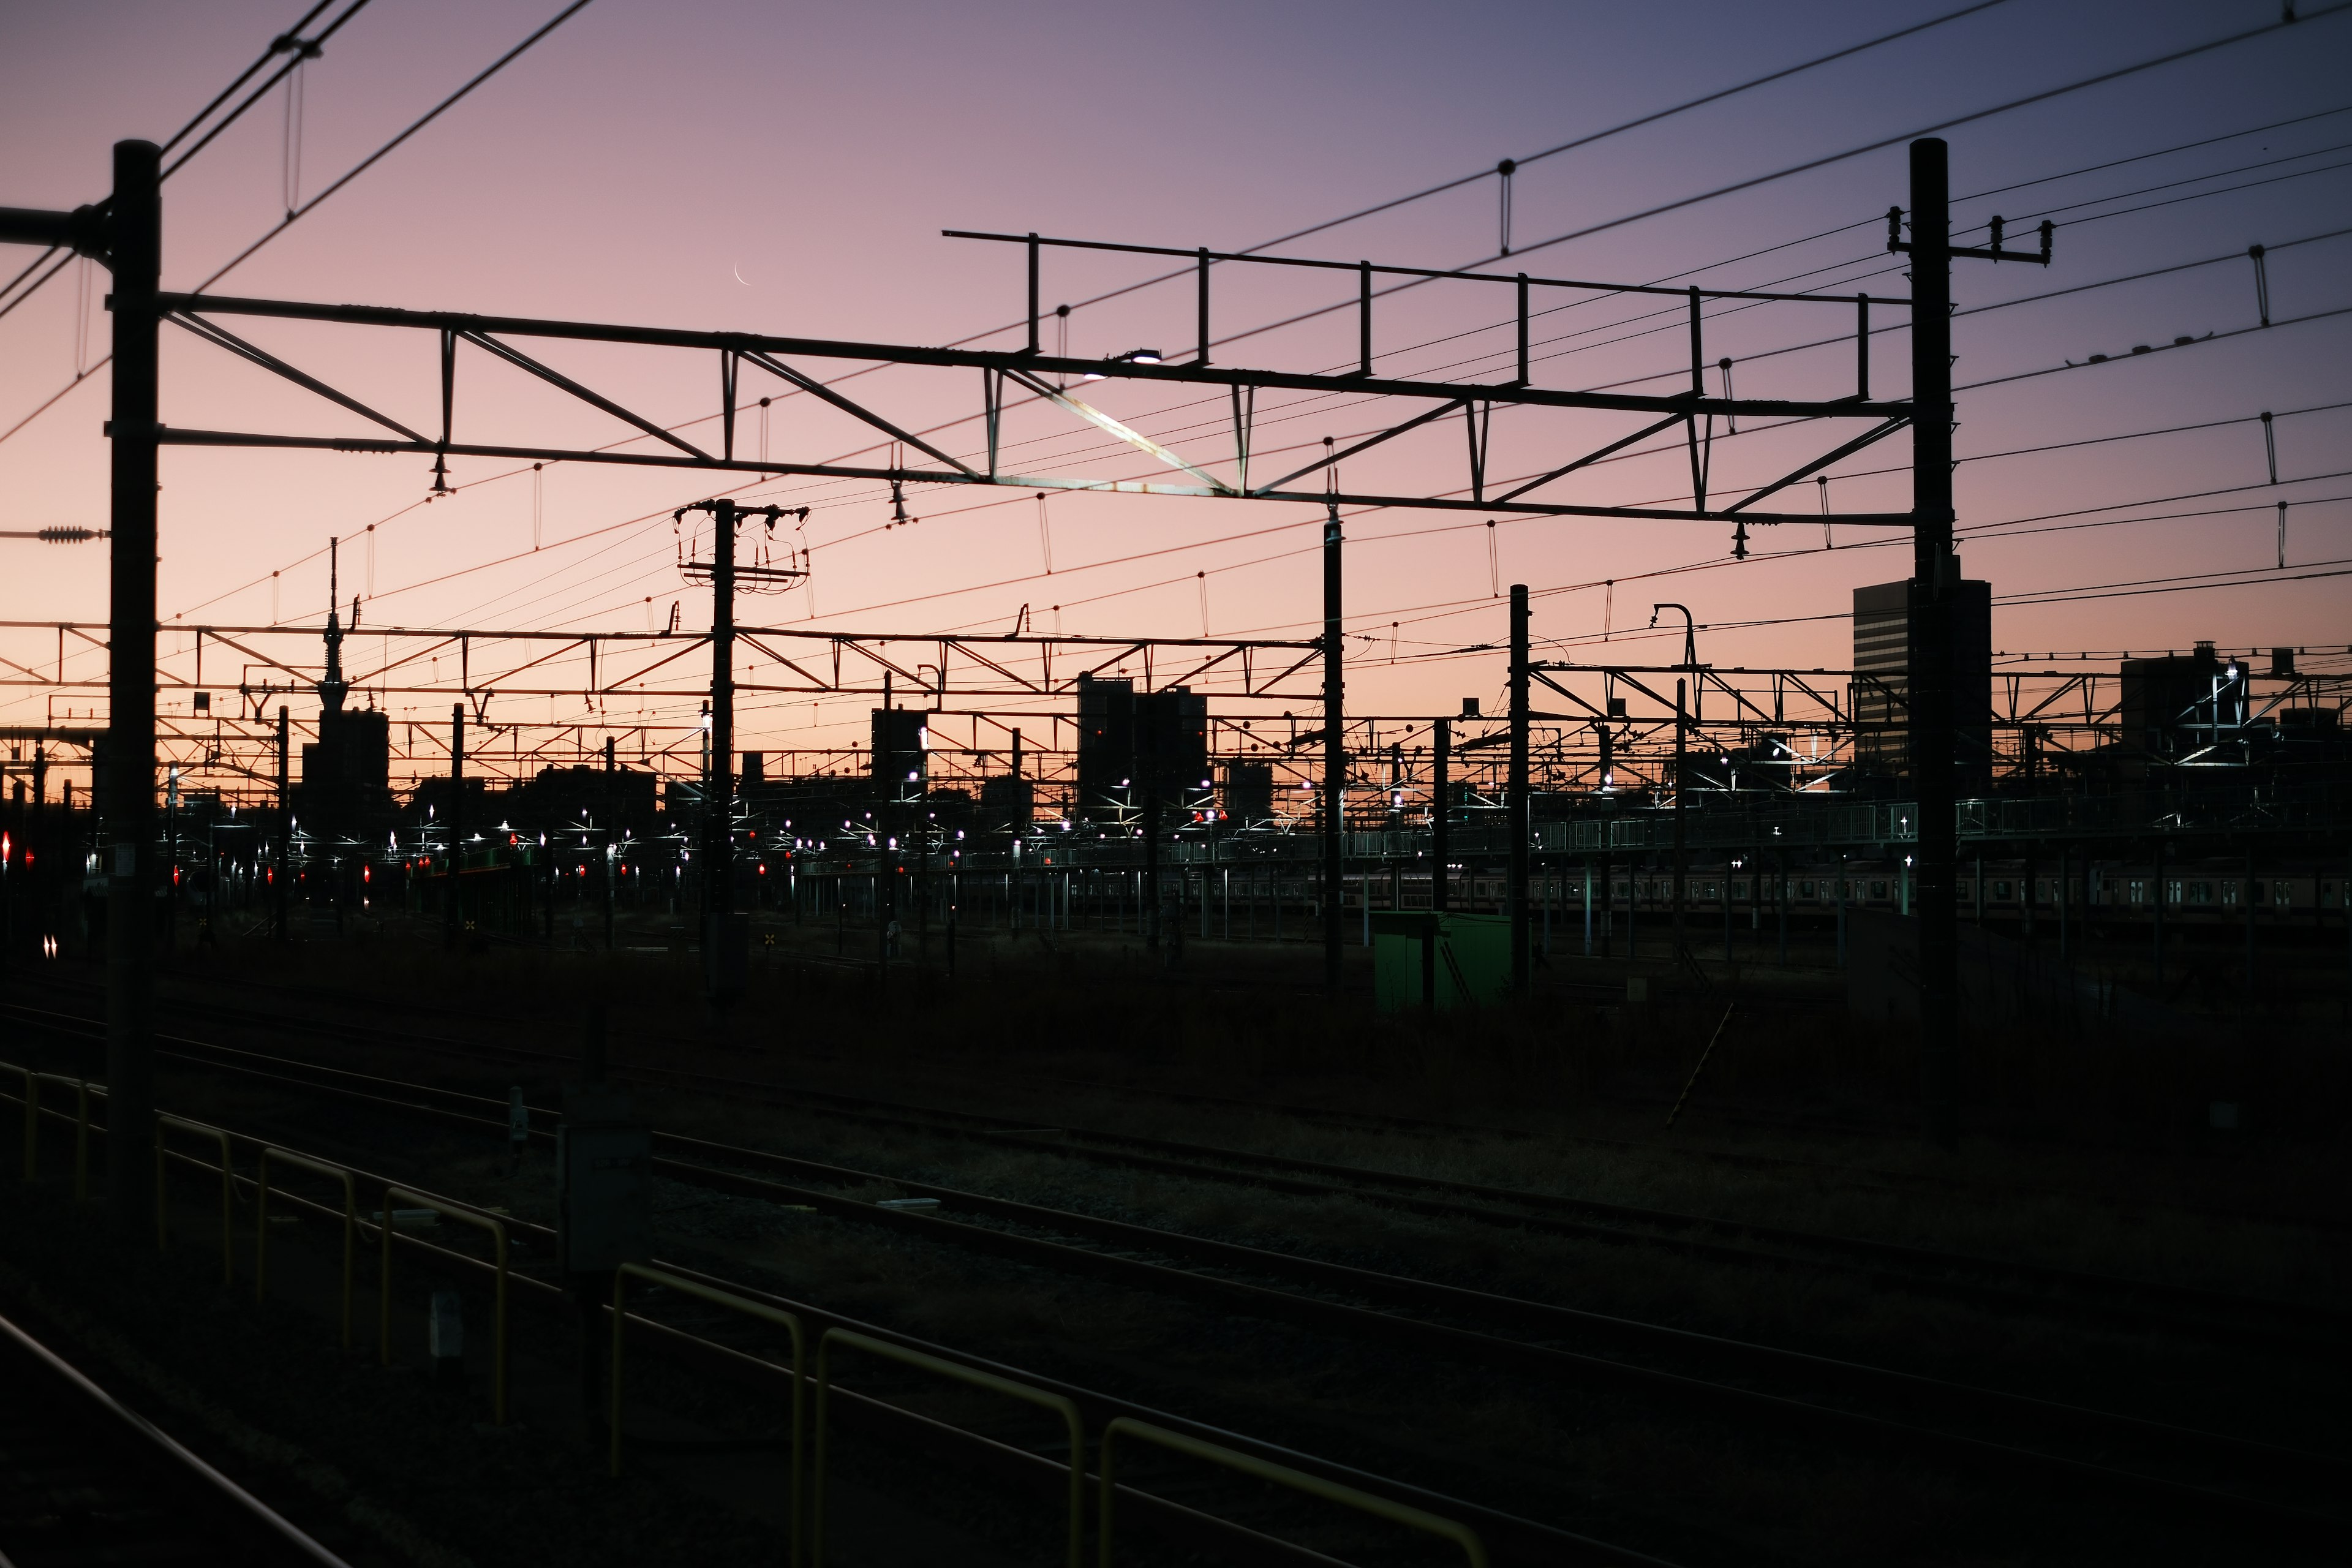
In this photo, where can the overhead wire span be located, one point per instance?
(277, 45)
(1749, 255)
(2039, 97)
(296, 50)
(420, 123)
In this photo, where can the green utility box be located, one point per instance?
(1470, 954)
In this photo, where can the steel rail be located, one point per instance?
(1926, 1271)
(1923, 1270)
(1551, 1542)
(1852, 1177)
(1466, 1344)
(1920, 1269)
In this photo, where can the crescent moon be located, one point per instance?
(738, 274)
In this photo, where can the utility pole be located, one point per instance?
(452, 921)
(1935, 579)
(1681, 862)
(134, 250)
(719, 941)
(1517, 813)
(1335, 759)
(723, 947)
(282, 891)
(613, 835)
(1441, 813)
(1146, 718)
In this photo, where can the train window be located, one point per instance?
(2283, 893)
(2326, 895)
(2138, 893)
(2172, 892)
(1621, 890)
(2001, 892)
(1738, 890)
(1877, 890)
(2202, 892)
(1804, 890)
(1710, 891)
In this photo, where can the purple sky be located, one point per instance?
(643, 159)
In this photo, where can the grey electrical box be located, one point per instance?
(604, 1186)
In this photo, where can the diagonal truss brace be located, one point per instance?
(1102, 421)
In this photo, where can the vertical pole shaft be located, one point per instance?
(1781, 892)
(2158, 892)
(1524, 377)
(1441, 816)
(1203, 355)
(1364, 318)
(2065, 886)
(1841, 909)
(280, 892)
(1682, 859)
(612, 836)
(1335, 754)
(1516, 875)
(1935, 572)
(2249, 928)
(718, 780)
(1033, 293)
(450, 916)
(1862, 347)
(1607, 902)
(137, 241)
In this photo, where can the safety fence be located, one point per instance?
(811, 1389)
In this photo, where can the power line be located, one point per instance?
(1808, 166)
(369, 162)
(290, 43)
(2039, 97)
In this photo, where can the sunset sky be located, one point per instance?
(789, 170)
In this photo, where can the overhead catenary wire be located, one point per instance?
(1523, 247)
(451, 101)
(2139, 157)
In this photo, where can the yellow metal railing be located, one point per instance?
(975, 1378)
(1412, 1518)
(83, 1089)
(32, 1117)
(717, 1298)
(498, 1236)
(261, 1223)
(164, 1119)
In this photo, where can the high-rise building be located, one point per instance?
(1131, 742)
(1883, 657)
(901, 752)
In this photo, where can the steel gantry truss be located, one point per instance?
(125, 234)
(1028, 374)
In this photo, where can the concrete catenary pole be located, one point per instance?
(1517, 874)
(1935, 573)
(1335, 758)
(135, 253)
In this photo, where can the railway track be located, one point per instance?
(718, 1343)
(1864, 1178)
(1844, 1175)
(2258, 1486)
(85, 1480)
(2009, 1285)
